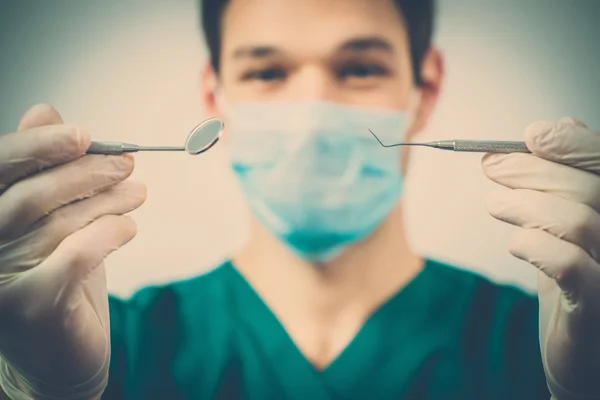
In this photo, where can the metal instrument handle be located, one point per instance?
(491, 146)
(110, 148)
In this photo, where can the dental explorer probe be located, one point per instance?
(475, 146)
(201, 138)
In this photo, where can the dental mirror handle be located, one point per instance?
(116, 148)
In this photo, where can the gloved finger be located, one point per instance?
(117, 200)
(30, 249)
(39, 115)
(526, 171)
(31, 199)
(572, 121)
(80, 253)
(569, 265)
(574, 222)
(569, 143)
(23, 153)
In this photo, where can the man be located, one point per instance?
(327, 300)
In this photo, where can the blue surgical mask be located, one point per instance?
(312, 173)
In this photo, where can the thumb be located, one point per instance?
(40, 115)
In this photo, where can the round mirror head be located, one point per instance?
(204, 136)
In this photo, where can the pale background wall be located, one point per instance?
(129, 72)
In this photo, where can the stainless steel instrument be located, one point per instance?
(201, 138)
(475, 146)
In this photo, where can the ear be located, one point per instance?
(208, 88)
(432, 78)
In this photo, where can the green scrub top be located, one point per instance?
(448, 334)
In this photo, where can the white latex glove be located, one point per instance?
(554, 196)
(61, 214)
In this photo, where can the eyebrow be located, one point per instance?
(354, 45)
(361, 44)
(256, 52)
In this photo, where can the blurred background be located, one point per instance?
(129, 71)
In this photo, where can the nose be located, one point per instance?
(313, 82)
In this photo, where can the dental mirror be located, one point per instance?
(204, 136)
(201, 138)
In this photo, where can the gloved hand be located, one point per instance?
(61, 214)
(554, 196)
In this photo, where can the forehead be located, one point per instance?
(309, 25)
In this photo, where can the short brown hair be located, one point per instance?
(418, 16)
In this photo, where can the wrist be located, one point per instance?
(16, 387)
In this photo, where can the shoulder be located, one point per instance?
(497, 332)
(208, 286)
(168, 306)
(161, 328)
(486, 311)
(470, 286)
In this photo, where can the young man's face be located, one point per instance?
(349, 51)
(355, 52)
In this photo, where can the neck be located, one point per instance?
(356, 282)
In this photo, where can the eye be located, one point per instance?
(361, 71)
(265, 74)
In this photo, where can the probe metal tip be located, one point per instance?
(428, 144)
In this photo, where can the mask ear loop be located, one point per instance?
(412, 110)
(221, 100)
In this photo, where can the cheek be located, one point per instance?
(388, 94)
